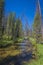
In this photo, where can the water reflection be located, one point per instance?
(16, 60)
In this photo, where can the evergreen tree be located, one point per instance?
(18, 28)
(37, 27)
(27, 29)
(37, 24)
(13, 26)
(1, 15)
(10, 25)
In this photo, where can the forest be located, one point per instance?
(19, 44)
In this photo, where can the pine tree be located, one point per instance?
(27, 29)
(37, 24)
(1, 16)
(13, 26)
(10, 25)
(18, 29)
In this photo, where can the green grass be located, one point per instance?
(33, 41)
(38, 61)
(9, 41)
(6, 41)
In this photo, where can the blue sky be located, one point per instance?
(28, 7)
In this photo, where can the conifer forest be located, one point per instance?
(21, 32)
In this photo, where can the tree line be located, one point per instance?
(11, 27)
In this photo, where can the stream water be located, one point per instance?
(19, 59)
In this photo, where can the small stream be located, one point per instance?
(19, 59)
